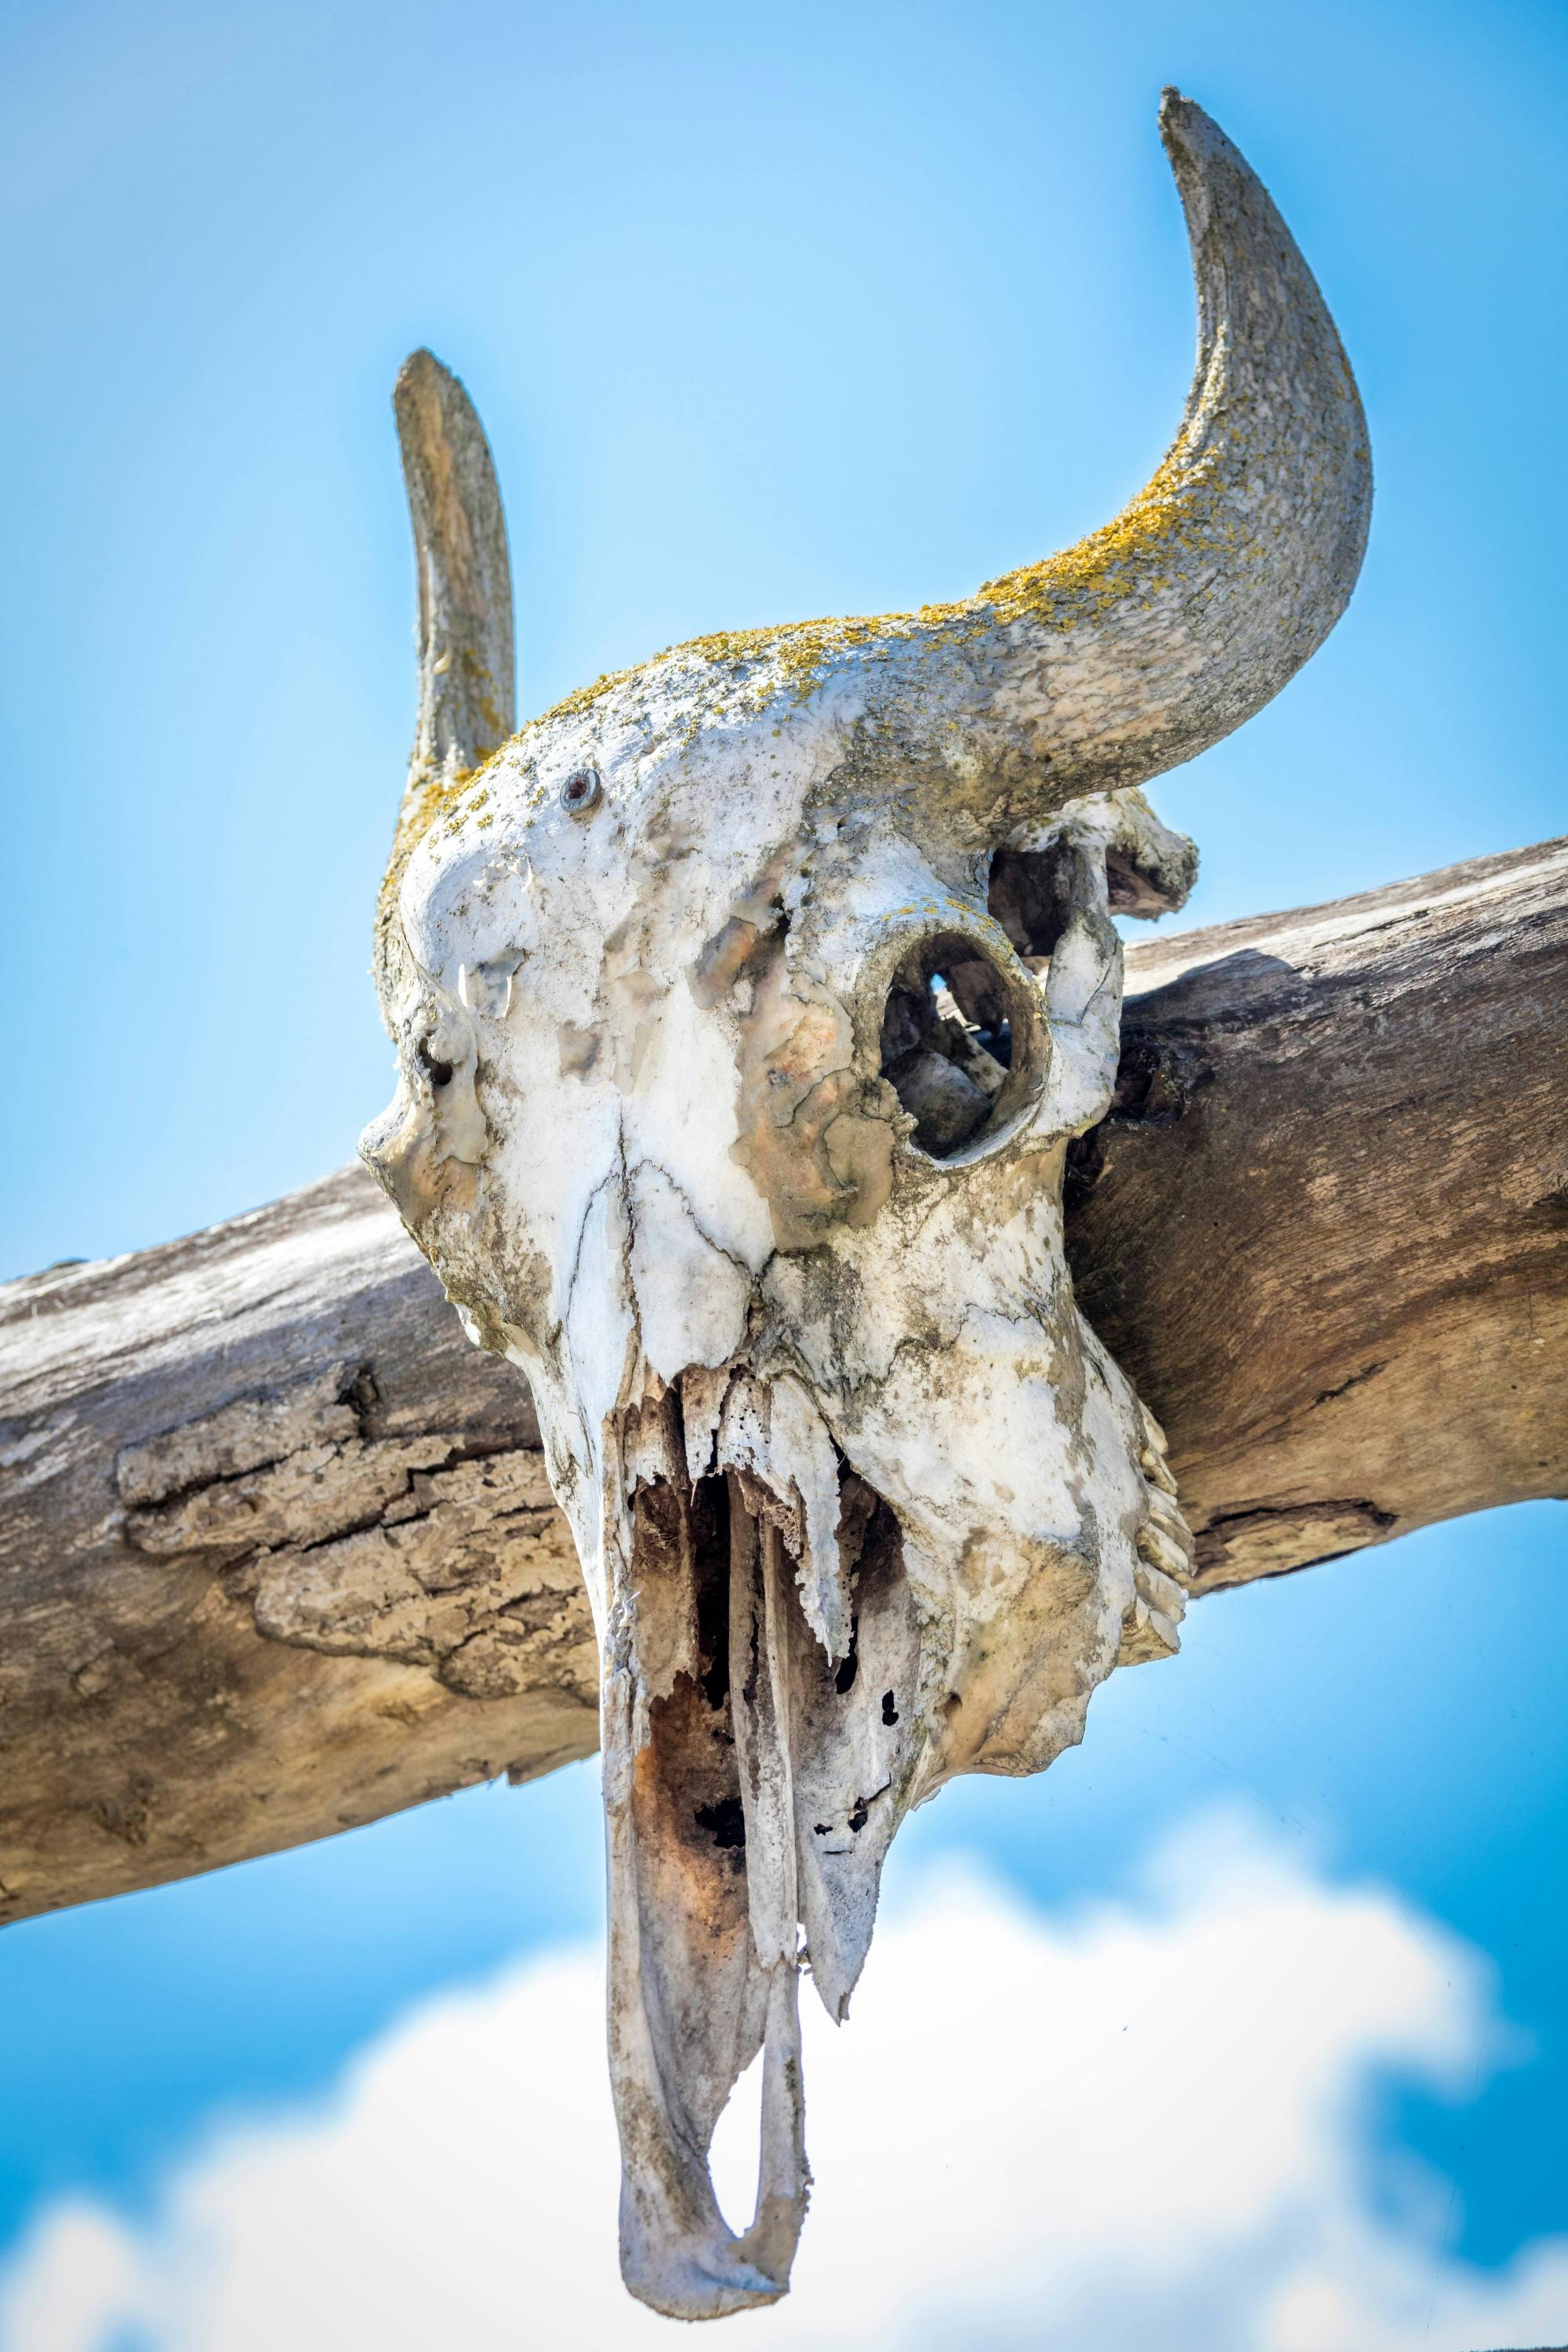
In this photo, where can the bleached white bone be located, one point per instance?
(776, 1235)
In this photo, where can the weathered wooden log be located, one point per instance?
(1326, 1227)
(277, 1555)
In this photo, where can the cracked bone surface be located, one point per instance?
(747, 1004)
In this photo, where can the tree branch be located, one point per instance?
(277, 1555)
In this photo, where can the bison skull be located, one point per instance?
(747, 1004)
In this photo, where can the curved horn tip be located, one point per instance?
(418, 360)
(1186, 128)
(423, 376)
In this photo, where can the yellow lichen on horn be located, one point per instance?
(1157, 635)
(1094, 668)
(1162, 632)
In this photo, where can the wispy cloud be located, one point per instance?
(1143, 2123)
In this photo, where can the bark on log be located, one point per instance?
(277, 1556)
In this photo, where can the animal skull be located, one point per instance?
(747, 1004)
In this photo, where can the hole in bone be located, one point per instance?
(976, 1002)
(725, 1822)
(1132, 892)
(711, 1578)
(848, 1758)
(439, 1073)
(946, 1001)
(688, 1782)
(692, 1795)
(1030, 895)
(733, 2156)
(857, 1506)
(849, 1665)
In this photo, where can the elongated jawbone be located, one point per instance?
(759, 1745)
(771, 1678)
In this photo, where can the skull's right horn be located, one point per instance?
(1159, 634)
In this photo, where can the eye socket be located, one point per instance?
(947, 1044)
(439, 1073)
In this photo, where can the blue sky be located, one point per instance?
(769, 312)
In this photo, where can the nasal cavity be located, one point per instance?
(946, 1042)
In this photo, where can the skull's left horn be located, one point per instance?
(467, 686)
(1156, 636)
(466, 702)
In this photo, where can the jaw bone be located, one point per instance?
(753, 1764)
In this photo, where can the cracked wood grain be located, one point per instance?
(277, 1556)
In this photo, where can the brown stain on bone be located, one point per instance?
(815, 1137)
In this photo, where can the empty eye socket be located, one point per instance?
(439, 1073)
(947, 1040)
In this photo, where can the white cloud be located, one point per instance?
(1133, 2124)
